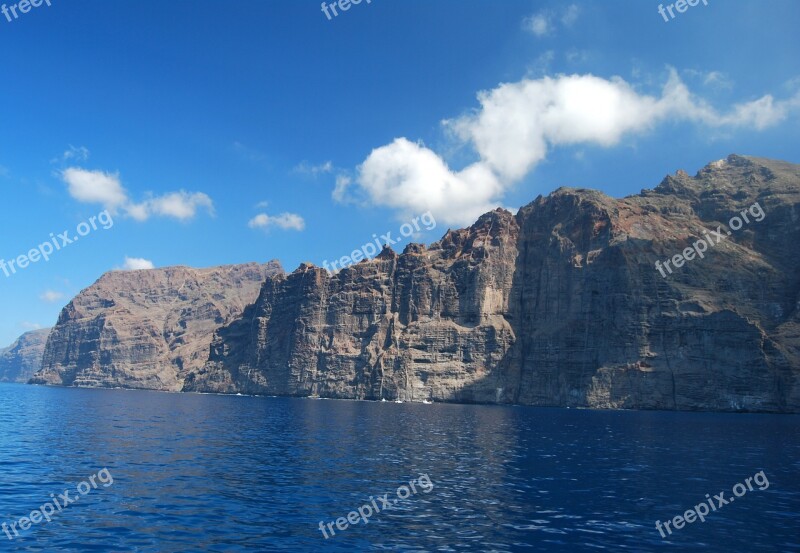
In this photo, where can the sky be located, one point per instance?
(209, 133)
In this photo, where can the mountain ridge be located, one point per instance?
(559, 304)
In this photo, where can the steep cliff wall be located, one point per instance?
(146, 329)
(425, 324)
(23, 358)
(603, 328)
(558, 305)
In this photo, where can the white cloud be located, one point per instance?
(30, 326)
(136, 264)
(179, 205)
(413, 179)
(51, 296)
(760, 114)
(95, 187)
(285, 221)
(516, 126)
(139, 212)
(106, 189)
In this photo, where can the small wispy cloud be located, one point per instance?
(249, 154)
(51, 296)
(546, 22)
(711, 79)
(539, 24)
(306, 168)
(570, 15)
(792, 84)
(339, 193)
(573, 55)
(285, 221)
(73, 153)
(541, 65)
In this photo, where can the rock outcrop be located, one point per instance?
(559, 305)
(148, 328)
(20, 360)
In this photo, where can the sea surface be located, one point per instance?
(228, 473)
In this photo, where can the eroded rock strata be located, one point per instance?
(557, 305)
(149, 328)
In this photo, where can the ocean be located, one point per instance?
(183, 472)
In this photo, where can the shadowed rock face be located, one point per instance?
(559, 305)
(23, 358)
(146, 329)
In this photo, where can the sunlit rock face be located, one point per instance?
(149, 328)
(560, 304)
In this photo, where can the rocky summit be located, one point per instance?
(148, 328)
(560, 304)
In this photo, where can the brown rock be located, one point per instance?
(559, 305)
(146, 329)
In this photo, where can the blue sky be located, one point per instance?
(219, 133)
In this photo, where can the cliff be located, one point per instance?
(558, 305)
(148, 328)
(20, 360)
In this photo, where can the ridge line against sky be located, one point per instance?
(250, 165)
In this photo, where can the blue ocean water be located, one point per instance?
(219, 473)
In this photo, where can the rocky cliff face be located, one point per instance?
(146, 329)
(559, 305)
(425, 324)
(23, 358)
